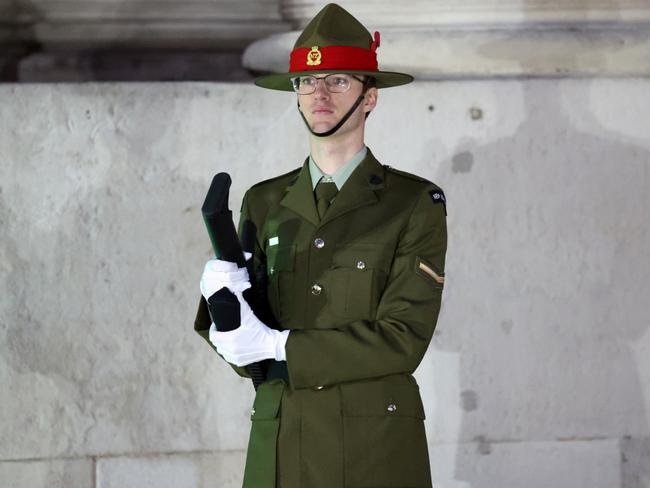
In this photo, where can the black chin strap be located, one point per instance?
(345, 117)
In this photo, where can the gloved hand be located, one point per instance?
(253, 340)
(218, 273)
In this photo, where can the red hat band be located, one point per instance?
(333, 58)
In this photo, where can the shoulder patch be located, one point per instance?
(437, 196)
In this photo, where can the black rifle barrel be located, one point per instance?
(224, 307)
(218, 220)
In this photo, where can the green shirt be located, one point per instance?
(341, 175)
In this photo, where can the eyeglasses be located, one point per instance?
(334, 83)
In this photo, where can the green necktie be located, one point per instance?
(325, 192)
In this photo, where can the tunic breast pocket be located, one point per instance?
(358, 276)
(280, 284)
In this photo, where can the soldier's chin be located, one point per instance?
(321, 126)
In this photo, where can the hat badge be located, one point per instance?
(314, 56)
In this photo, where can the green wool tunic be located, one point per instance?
(360, 291)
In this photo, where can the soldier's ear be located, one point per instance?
(370, 99)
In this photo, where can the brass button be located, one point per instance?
(319, 243)
(391, 407)
(319, 387)
(271, 270)
(361, 265)
(316, 289)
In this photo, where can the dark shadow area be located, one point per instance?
(31, 63)
(41, 43)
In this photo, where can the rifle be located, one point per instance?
(223, 304)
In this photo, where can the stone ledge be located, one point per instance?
(593, 464)
(597, 463)
(446, 13)
(192, 470)
(54, 473)
(449, 53)
(176, 470)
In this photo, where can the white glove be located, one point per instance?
(252, 341)
(218, 273)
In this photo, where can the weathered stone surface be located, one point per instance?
(200, 470)
(551, 334)
(484, 464)
(543, 336)
(97, 346)
(635, 460)
(77, 473)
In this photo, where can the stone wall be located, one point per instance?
(150, 40)
(452, 39)
(539, 371)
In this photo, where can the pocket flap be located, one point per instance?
(381, 398)
(370, 255)
(267, 400)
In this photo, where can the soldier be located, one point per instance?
(353, 255)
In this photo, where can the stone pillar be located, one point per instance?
(469, 38)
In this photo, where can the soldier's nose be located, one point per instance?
(320, 91)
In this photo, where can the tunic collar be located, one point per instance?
(360, 189)
(341, 175)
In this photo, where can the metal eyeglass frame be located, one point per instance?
(323, 78)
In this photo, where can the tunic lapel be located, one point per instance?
(300, 197)
(358, 190)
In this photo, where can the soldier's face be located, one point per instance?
(323, 109)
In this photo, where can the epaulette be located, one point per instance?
(283, 175)
(436, 194)
(407, 174)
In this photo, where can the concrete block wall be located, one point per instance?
(539, 371)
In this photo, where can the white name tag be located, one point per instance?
(273, 241)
